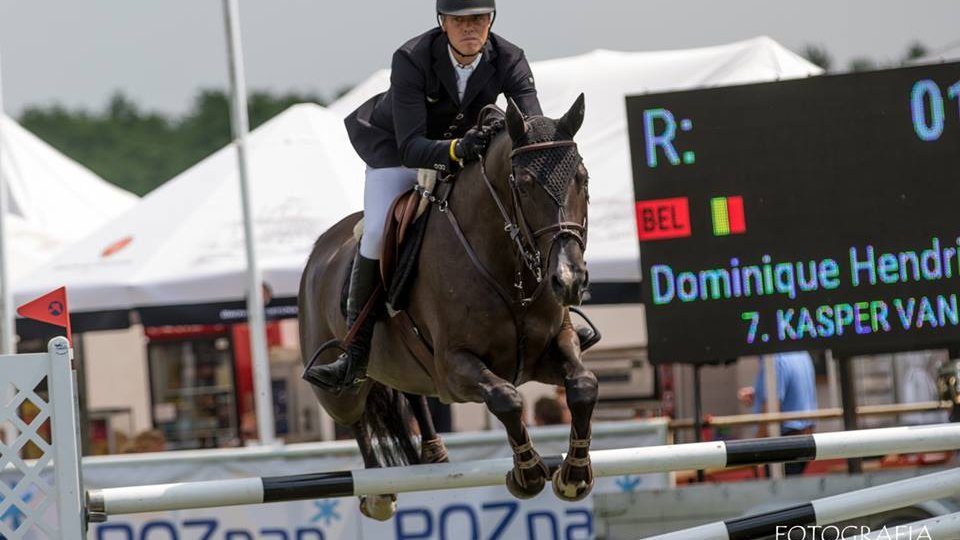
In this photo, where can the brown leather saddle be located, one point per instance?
(399, 223)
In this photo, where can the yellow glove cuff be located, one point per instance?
(453, 151)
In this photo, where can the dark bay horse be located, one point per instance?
(502, 260)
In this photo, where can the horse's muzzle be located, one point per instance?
(570, 277)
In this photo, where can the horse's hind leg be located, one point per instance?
(574, 479)
(432, 449)
(379, 507)
(470, 380)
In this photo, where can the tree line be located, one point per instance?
(819, 55)
(138, 150)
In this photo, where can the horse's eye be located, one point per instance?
(525, 178)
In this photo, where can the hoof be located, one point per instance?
(378, 507)
(572, 491)
(528, 490)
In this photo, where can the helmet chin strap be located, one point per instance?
(465, 55)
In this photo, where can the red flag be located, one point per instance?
(50, 308)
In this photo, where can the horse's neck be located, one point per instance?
(479, 216)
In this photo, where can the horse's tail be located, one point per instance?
(388, 424)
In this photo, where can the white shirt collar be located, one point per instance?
(470, 67)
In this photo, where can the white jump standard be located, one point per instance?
(181, 496)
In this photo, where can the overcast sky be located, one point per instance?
(160, 52)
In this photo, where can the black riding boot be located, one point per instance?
(350, 369)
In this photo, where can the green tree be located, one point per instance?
(818, 55)
(915, 50)
(862, 63)
(140, 150)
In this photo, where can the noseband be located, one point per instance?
(517, 227)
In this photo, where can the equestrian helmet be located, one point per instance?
(466, 7)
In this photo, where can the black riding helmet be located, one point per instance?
(466, 7)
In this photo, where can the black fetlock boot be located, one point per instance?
(350, 369)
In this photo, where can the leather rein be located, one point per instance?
(524, 239)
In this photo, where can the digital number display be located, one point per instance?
(821, 213)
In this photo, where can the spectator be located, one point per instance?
(548, 411)
(147, 441)
(796, 390)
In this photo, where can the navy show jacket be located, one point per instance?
(412, 123)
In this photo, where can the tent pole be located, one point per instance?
(7, 332)
(255, 307)
(7, 346)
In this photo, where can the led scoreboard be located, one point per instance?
(821, 213)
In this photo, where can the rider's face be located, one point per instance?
(468, 33)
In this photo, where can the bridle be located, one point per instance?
(517, 227)
(523, 238)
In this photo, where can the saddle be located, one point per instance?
(402, 238)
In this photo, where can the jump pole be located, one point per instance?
(829, 510)
(947, 526)
(653, 459)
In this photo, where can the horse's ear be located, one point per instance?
(574, 117)
(515, 123)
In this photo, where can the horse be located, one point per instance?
(502, 262)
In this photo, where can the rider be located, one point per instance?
(440, 81)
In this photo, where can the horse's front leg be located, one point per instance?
(574, 479)
(470, 380)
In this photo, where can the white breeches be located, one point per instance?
(380, 189)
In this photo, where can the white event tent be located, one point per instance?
(182, 258)
(179, 255)
(52, 200)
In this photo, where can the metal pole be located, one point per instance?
(255, 308)
(7, 332)
(773, 405)
(848, 399)
(833, 387)
(698, 416)
(7, 338)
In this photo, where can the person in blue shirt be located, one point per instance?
(796, 390)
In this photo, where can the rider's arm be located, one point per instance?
(519, 86)
(410, 119)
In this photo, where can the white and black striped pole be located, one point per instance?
(653, 459)
(940, 527)
(828, 510)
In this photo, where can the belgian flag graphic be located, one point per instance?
(728, 216)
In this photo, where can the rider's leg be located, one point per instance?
(381, 188)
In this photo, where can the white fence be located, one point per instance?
(37, 388)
